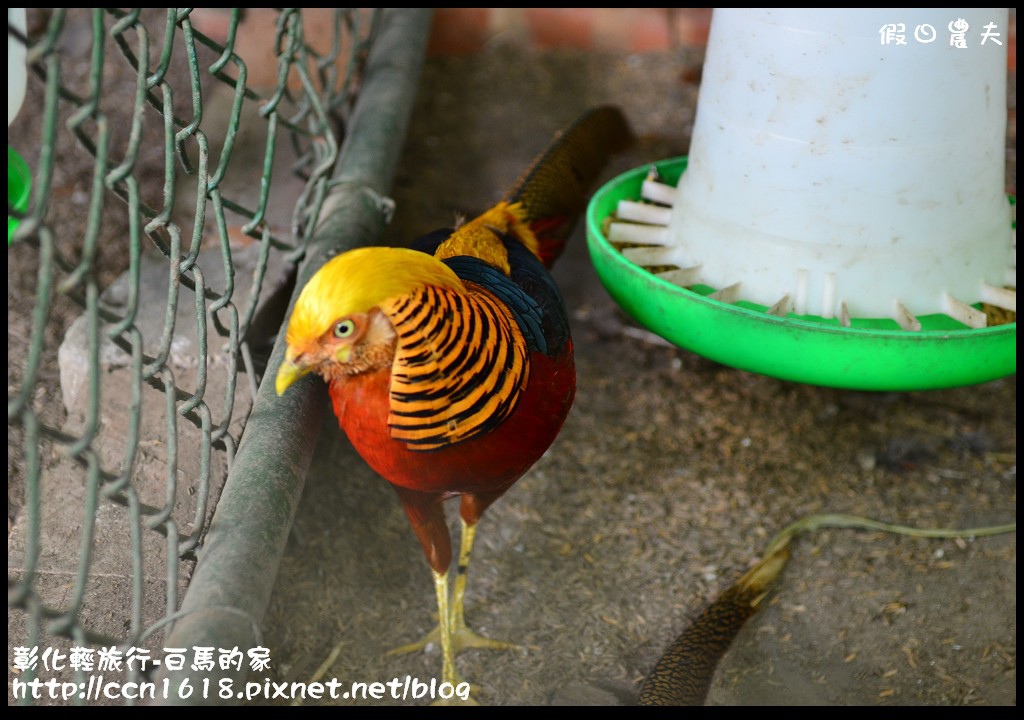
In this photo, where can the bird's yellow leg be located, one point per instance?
(448, 672)
(462, 638)
(447, 655)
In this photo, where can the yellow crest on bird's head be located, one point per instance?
(361, 279)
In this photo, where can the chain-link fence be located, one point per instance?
(180, 165)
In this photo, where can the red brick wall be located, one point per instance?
(463, 31)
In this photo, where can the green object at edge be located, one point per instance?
(866, 356)
(19, 183)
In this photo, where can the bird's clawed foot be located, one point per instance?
(461, 691)
(462, 639)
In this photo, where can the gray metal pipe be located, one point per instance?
(238, 564)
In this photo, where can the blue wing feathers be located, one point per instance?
(525, 309)
(530, 293)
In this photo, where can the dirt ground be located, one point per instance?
(668, 481)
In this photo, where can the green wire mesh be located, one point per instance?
(170, 191)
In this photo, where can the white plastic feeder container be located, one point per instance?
(16, 72)
(843, 176)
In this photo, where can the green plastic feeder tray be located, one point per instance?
(19, 183)
(869, 354)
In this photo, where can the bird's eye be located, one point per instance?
(344, 328)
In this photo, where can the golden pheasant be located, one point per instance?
(450, 363)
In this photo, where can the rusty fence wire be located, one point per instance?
(178, 162)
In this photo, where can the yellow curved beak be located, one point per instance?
(288, 373)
